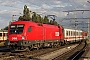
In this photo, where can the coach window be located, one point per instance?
(3, 34)
(66, 33)
(30, 29)
(77, 33)
(0, 34)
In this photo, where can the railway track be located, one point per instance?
(60, 53)
(78, 54)
(48, 53)
(73, 54)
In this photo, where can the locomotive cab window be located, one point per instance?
(30, 29)
(16, 29)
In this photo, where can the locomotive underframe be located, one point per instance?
(24, 44)
(37, 44)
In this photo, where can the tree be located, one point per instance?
(6, 28)
(37, 18)
(26, 14)
(20, 18)
(46, 20)
(34, 17)
(51, 22)
(55, 23)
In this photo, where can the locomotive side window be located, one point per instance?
(16, 29)
(30, 29)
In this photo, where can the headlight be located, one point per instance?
(23, 37)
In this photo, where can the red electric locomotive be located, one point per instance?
(26, 34)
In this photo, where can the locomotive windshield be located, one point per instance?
(16, 29)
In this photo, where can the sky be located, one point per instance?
(45, 7)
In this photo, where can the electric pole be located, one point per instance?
(80, 18)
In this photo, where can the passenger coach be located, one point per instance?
(3, 35)
(72, 35)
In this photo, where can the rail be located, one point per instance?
(78, 54)
(73, 54)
